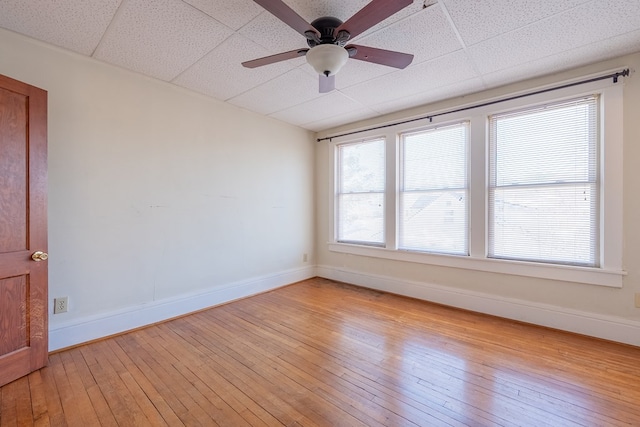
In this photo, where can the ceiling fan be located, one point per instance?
(327, 39)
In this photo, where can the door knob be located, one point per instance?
(39, 256)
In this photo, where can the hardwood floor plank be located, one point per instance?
(160, 367)
(23, 404)
(175, 412)
(78, 396)
(38, 399)
(334, 394)
(123, 406)
(184, 363)
(336, 388)
(278, 384)
(155, 408)
(322, 353)
(210, 380)
(354, 367)
(266, 389)
(98, 401)
(54, 403)
(8, 410)
(72, 416)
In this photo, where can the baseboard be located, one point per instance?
(606, 327)
(95, 327)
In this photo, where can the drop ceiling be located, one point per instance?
(460, 47)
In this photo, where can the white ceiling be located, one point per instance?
(460, 47)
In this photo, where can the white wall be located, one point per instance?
(161, 201)
(594, 310)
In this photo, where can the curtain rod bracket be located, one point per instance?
(623, 73)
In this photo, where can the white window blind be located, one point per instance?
(360, 192)
(543, 184)
(434, 190)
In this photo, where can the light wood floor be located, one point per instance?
(324, 353)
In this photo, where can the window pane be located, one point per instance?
(544, 223)
(361, 218)
(435, 159)
(543, 196)
(433, 193)
(362, 167)
(434, 221)
(360, 192)
(550, 145)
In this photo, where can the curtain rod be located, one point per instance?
(614, 76)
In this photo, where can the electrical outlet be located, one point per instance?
(60, 305)
(638, 300)
(305, 257)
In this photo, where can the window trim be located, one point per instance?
(610, 273)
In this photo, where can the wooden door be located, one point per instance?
(23, 229)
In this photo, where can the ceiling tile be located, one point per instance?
(605, 49)
(579, 27)
(276, 94)
(269, 32)
(341, 119)
(416, 7)
(304, 66)
(326, 106)
(428, 75)
(311, 10)
(75, 25)
(456, 89)
(233, 13)
(477, 21)
(355, 72)
(220, 73)
(426, 35)
(160, 38)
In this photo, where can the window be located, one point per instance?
(433, 190)
(360, 192)
(543, 192)
(530, 187)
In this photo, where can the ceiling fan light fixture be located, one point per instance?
(327, 59)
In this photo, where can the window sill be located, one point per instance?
(586, 275)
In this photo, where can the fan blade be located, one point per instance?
(376, 11)
(327, 84)
(390, 58)
(275, 58)
(287, 15)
